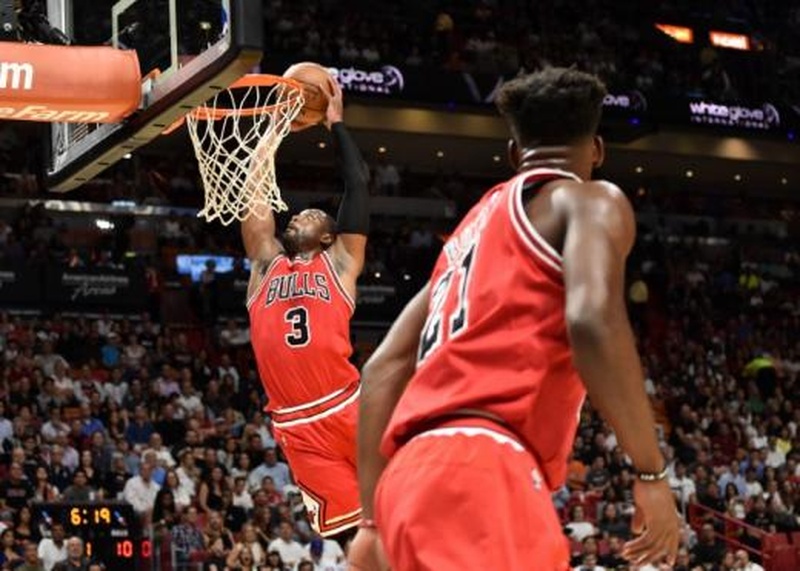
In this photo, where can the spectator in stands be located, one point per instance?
(274, 562)
(743, 563)
(291, 551)
(16, 491)
(589, 564)
(278, 471)
(79, 490)
(218, 539)
(53, 549)
(709, 549)
(578, 528)
(250, 543)
(612, 524)
(75, 561)
(30, 559)
(140, 491)
(9, 553)
(140, 430)
(187, 537)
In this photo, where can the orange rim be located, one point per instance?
(204, 112)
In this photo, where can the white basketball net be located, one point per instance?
(235, 137)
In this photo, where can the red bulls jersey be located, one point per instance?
(300, 331)
(495, 338)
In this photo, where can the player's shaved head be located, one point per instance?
(555, 106)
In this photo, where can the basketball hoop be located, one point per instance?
(235, 136)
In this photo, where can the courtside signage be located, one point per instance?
(388, 80)
(707, 113)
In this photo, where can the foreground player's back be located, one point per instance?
(495, 338)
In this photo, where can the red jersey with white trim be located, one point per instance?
(495, 338)
(300, 332)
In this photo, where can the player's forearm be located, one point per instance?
(353, 216)
(258, 231)
(383, 382)
(605, 356)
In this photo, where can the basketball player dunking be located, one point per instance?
(300, 299)
(475, 393)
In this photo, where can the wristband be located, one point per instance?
(652, 476)
(367, 524)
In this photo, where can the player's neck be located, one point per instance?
(555, 157)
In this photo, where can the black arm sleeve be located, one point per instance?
(353, 217)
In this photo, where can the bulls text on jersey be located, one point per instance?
(298, 285)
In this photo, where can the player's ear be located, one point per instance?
(513, 154)
(326, 239)
(598, 152)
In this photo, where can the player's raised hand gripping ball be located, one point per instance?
(317, 85)
(335, 111)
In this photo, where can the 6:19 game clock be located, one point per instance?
(110, 531)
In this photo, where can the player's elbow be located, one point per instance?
(588, 308)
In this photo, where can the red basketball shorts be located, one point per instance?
(467, 495)
(321, 450)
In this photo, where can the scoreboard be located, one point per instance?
(110, 530)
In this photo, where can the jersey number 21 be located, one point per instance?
(433, 332)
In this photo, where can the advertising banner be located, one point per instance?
(95, 288)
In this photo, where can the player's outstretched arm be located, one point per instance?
(352, 221)
(600, 234)
(258, 234)
(384, 379)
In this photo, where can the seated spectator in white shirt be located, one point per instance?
(140, 491)
(54, 426)
(578, 527)
(162, 454)
(53, 549)
(291, 551)
(589, 564)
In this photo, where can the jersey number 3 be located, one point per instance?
(300, 334)
(457, 321)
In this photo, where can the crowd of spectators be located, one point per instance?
(616, 40)
(170, 419)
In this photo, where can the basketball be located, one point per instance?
(316, 90)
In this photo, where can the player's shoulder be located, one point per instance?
(573, 196)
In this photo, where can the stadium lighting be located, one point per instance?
(440, 154)
(322, 144)
(737, 177)
(680, 34)
(496, 158)
(689, 174)
(784, 181)
(639, 170)
(103, 224)
(729, 40)
(381, 150)
(127, 156)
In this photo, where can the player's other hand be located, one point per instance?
(366, 552)
(335, 111)
(657, 524)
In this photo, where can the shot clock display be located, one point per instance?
(110, 531)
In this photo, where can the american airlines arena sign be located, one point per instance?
(388, 80)
(764, 118)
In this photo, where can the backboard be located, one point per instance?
(188, 50)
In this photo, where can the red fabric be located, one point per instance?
(455, 502)
(300, 331)
(512, 355)
(322, 456)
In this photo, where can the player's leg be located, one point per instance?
(454, 502)
(321, 456)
